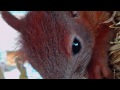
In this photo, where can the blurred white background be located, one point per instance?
(8, 36)
(8, 42)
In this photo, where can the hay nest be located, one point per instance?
(115, 44)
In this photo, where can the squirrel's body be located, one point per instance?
(60, 45)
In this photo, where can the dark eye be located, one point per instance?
(76, 46)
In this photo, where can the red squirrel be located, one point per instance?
(65, 44)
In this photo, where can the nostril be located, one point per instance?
(75, 13)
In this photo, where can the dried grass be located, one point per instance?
(115, 44)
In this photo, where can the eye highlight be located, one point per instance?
(76, 46)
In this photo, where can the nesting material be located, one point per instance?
(115, 56)
(115, 44)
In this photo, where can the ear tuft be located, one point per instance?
(11, 20)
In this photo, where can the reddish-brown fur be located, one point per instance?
(47, 38)
(98, 67)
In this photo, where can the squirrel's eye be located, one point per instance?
(76, 46)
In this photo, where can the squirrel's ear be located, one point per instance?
(12, 20)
